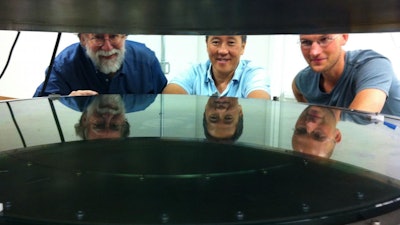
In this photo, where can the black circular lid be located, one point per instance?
(190, 181)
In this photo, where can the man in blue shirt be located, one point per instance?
(224, 74)
(360, 80)
(104, 64)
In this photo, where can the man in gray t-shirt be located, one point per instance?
(361, 80)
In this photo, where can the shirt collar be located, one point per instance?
(236, 76)
(118, 73)
(209, 76)
(238, 71)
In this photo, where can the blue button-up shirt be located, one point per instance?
(247, 78)
(73, 70)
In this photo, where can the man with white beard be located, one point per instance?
(104, 118)
(104, 64)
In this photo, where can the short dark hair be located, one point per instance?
(233, 138)
(244, 38)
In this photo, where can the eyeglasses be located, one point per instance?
(99, 40)
(323, 42)
(100, 127)
(315, 135)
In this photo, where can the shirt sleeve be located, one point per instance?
(185, 80)
(55, 85)
(377, 73)
(257, 79)
(159, 79)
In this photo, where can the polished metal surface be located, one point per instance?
(201, 16)
(167, 170)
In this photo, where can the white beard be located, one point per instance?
(107, 66)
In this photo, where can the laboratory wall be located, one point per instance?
(279, 54)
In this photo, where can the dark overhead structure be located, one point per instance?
(201, 16)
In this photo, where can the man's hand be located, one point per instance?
(174, 89)
(83, 93)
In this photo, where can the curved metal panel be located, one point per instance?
(201, 16)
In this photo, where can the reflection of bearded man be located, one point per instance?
(107, 66)
(103, 104)
(105, 111)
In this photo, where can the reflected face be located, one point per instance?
(222, 116)
(105, 117)
(224, 53)
(105, 50)
(315, 132)
(323, 51)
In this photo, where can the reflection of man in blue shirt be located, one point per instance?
(223, 119)
(104, 115)
(104, 64)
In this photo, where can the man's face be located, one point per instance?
(224, 53)
(315, 132)
(222, 116)
(105, 117)
(322, 51)
(105, 50)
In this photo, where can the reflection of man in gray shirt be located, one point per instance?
(315, 132)
(361, 79)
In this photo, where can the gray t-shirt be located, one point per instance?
(363, 69)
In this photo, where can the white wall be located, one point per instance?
(280, 54)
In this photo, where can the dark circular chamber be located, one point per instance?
(168, 181)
